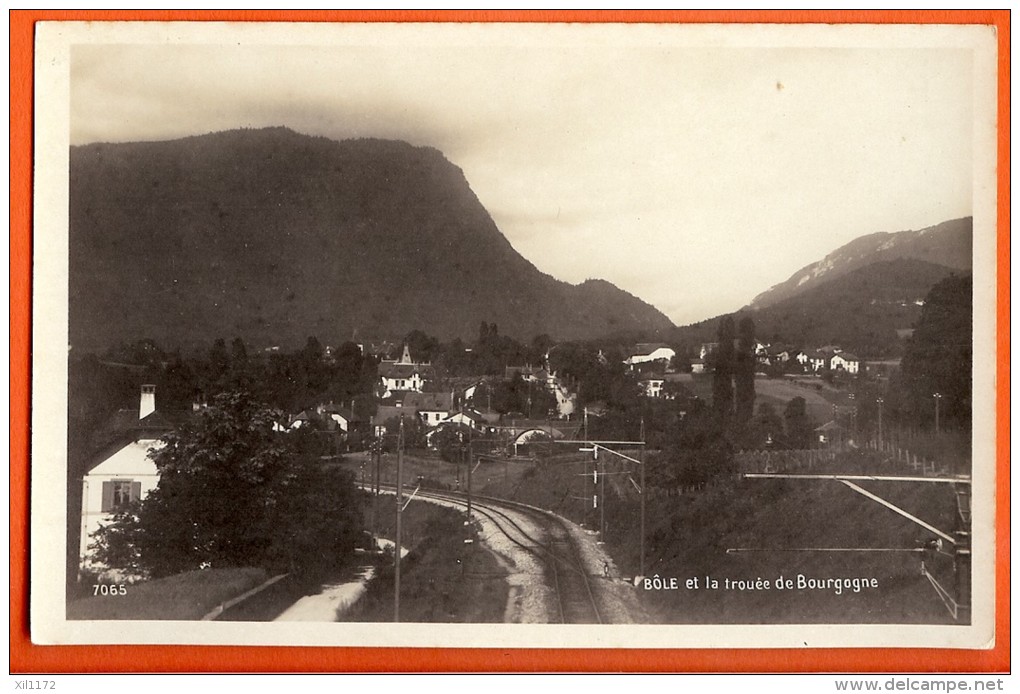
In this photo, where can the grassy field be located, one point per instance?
(437, 473)
(442, 578)
(185, 596)
(818, 395)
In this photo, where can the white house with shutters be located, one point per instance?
(844, 361)
(404, 374)
(122, 472)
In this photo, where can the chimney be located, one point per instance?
(148, 402)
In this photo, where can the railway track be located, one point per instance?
(576, 602)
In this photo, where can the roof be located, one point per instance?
(389, 369)
(829, 426)
(429, 401)
(384, 413)
(488, 416)
(525, 371)
(649, 347)
(847, 356)
(473, 415)
(395, 398)
(124, 428)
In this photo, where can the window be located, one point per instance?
(120, 493)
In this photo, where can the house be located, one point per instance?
(566, 399)
(644, 353)
(404, 374)
(819, 359)
(345, 418)
(301, 419)
(469, 418)
(122, 471)
(845, 361)
(651, 385)
(432, 408)
(391, 413)
(531, 374)
(697, 366)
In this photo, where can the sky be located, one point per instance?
(691, 167)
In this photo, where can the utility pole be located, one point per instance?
(584, 518)
(376, 460)
(400, 510)
(879, 401)
(853, 417)
(602, 496)
(641, 456)
(471, 460)
(938, 397)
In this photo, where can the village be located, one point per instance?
(544, 406)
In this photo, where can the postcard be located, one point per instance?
(539, 335)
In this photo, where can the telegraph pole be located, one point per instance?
(879, 401)
(376, 461)
(602, 496)
(471, 460)
(396, 549)
(938, 397)
(584, 517)
(641, 457)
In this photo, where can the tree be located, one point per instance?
(722, 379)
(939, 356)
(238, 353)
(219, 362)
(799, 429)
(766, 428)
(233, 492)
(423, 347)
(451, 441)
(743, 373)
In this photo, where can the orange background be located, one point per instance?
(26, 657)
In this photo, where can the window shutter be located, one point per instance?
(107, 497)
(136, 491)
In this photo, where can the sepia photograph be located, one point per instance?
(514, 335)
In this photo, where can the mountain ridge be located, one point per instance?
(949, 244)
(860, 311)
(273, 236)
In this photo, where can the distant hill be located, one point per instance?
(274, 236)
(859, 311)
(949, 244)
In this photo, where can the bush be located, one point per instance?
(233, 492)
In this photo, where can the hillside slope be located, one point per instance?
(860, 311)
(273, 236)
(949, 244)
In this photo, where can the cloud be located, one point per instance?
(671, 169)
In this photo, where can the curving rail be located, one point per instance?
(576, 600)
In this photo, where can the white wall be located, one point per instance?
(131, 462)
